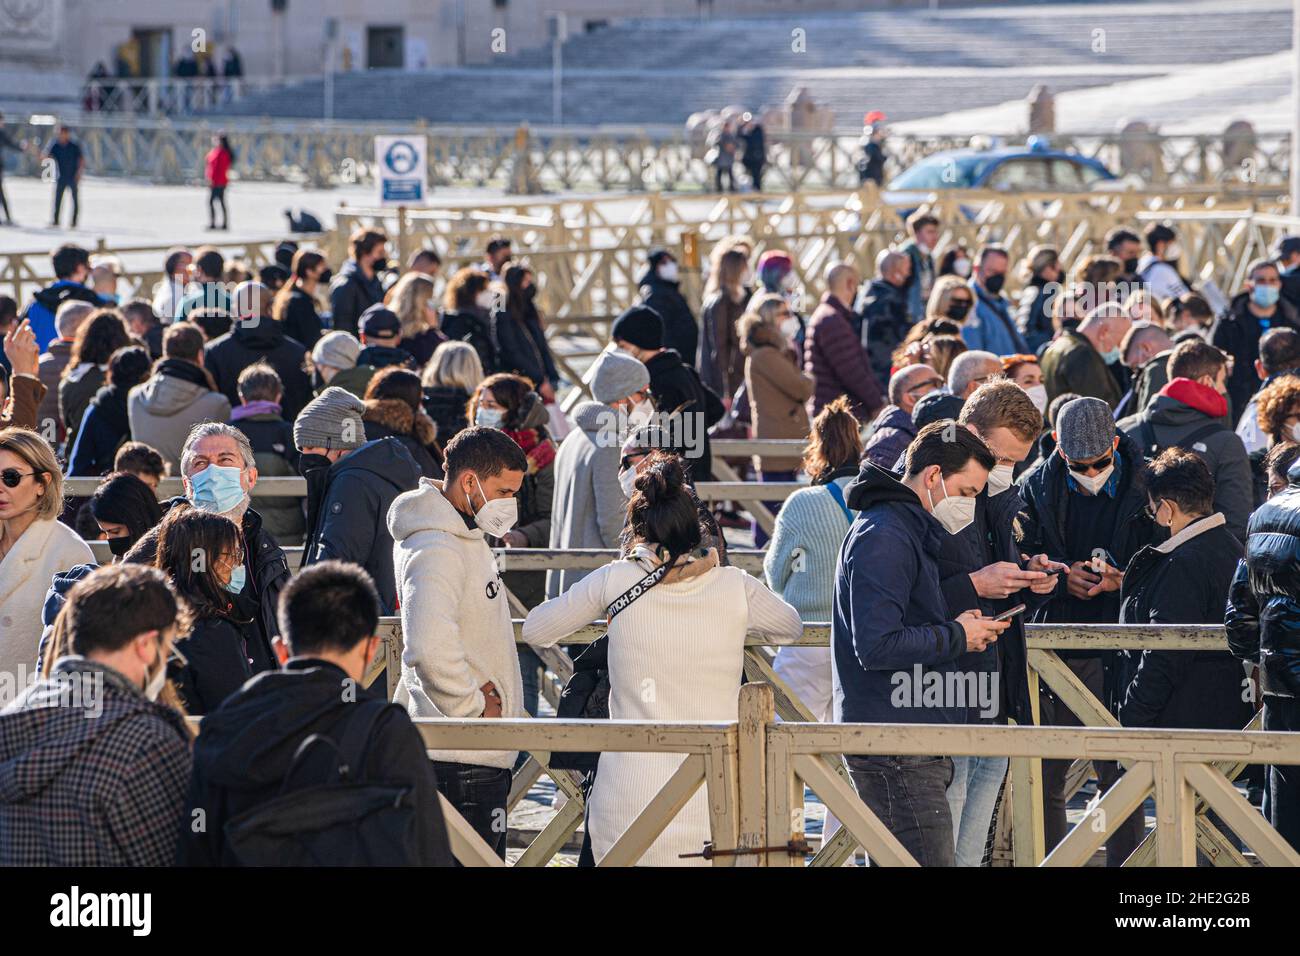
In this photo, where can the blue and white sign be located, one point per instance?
(402, 169)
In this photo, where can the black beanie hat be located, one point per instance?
(125, 499)
(640, 325)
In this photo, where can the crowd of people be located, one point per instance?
(1099, 449)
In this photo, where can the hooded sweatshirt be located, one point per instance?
(456, 621)
(228, 355)
(890, 619)
(173, 400)
(249, 743)
(1184, 414)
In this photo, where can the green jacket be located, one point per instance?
(1072, 364)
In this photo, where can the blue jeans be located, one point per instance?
(972, 798)
(480, 795)
(907, 794)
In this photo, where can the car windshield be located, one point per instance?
(942, 172)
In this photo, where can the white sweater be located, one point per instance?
(676, 653)
(455, 618)
(25, 576)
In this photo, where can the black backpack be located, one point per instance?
(1151, 448)
(344, 820)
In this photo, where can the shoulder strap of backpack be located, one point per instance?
(356, 737)
(1147, 433)
(1202, 433)
(838, 494)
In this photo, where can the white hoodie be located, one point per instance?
(456, 625)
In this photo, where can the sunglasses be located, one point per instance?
(1100, 465)
(927, 384)
(12, 477)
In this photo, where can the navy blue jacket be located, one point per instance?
(890, 623)
(1263, 615)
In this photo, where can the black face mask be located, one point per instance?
(307, 464)
(994, 283)
(380, 265)
(118, 547)
(1131, 265)
(326, 277)
(957, 311)
(530, 293)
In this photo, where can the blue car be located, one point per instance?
(1032, 168)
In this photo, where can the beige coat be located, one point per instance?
(778, 390)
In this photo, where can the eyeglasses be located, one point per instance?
(12, 477)
(1101, 464)
(928, 383)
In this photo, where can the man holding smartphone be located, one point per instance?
(1083, 507)
(983, 568)
(892, 633)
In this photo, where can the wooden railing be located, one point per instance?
(1202, 762)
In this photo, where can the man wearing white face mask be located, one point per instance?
(660, 288)
(219, 473)
(1084, 508)
(982, 568)
(892, 633)
(459, 658)
(94, 769)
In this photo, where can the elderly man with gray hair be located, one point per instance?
(1082, 360)
(893, 430)
(970, 370)
(219, 473)
(883, 307)
(833, 351)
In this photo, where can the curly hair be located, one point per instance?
(1276, 402)
(835, 441)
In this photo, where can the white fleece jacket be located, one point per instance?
(455, 618)
(25, 576)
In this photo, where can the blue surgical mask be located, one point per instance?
(488, 417)
(216, 489)
(1113, 356)
(1265, 296)
(237, 578)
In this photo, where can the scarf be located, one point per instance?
(259, 407)
(537, 446)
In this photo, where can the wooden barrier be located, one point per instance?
(1025, 776)
(755, 769)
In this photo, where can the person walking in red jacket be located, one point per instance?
(217, 173)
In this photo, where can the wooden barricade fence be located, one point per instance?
(1189, 771)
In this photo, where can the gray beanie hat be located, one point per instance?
(1085, 429)
(337, 350)
(617, 375)
(331, 420)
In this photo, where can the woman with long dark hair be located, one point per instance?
(523, 346)
(217, 172)
(676, 651)
(395, 408)
(294, 306)
(203, 554)
(102, 334)
(104, 426)
(125, 508)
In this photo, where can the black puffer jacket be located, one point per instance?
(523, 346)
(1263, 616)
(446, 405)
(225, 357)
(351, 293)
(883, 307)
(351, 516)
(678, 390)
(1185, 580)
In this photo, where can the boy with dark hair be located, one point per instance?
(891, 630)
(329, 614)
(92, 768)
(460, 658)
(71, 274)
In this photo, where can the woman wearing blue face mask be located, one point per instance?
(203, 555)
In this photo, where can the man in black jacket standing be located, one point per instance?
(328, 618)
(1084, 507)
(351, 484)
(883, 307)
(256, 336)
(357, 286)
(661, 291)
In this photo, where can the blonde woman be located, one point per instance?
(450, 379)
(721, 365)
(34, 544)
(412, 298)
(951, 299)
